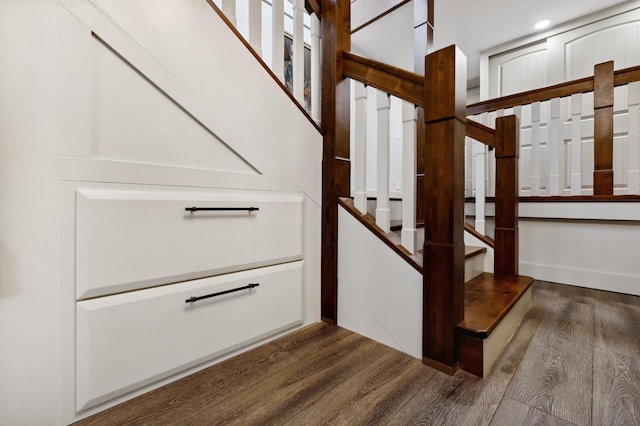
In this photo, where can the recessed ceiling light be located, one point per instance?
(542, 24)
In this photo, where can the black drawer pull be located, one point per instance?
(220, 293)
(221, 209)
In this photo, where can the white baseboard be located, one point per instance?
(591, 279)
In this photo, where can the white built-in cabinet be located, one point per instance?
(182, 240)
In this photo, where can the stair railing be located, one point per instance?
(567, 140)
(505, 141)
(372, 90)
(284, 35)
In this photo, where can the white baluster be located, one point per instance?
(490, 179)
(383, 219)
(360, 148)
(229, 9)
(409, 233)
(316, 78)
(468, 166)
(255, 26)
(576, 144)
(298, 51)
(479, 160)
(633, 152)
(555, 150)
(535, 149)
(277, 39)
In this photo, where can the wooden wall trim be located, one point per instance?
(625, 198)
(262, 62)
(366, 12)
(395, 81)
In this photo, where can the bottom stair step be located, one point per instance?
(493, 309)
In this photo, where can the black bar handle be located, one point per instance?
(221, 209)
(220, 293)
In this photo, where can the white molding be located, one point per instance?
(591, 279)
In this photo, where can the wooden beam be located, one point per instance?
(507, 191)
(445, 115)
(603, 129)
(335, 154)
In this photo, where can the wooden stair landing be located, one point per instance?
(493, 309)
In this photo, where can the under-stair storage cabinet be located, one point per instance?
(132, 239)
(162, 287)
(131, 339)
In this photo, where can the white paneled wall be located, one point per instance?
(523, 72)
(619, 44)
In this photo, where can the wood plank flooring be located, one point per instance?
(574, 360)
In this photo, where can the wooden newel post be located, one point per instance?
(335, 155)
(603, 129)
(507, 189)
(445, 119)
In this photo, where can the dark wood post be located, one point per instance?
(603, 129)
(445, 118)
(335, 155)
(423, 22)
(507, 191)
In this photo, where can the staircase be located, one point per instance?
(493, 306)
(468, 314)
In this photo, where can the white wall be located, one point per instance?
(122, 93)
(29, 196)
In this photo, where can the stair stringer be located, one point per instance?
(379, 293)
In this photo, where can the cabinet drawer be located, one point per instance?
(128, 240)
(132, 339)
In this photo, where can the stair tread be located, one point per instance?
(488, 299)
(469, 251)
(396, 225)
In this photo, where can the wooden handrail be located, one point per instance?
(485, 239)
(262, 62)
(583, 85)
(556, 91)
(626, 76)
(481, 133)
(395, 81)
(313, 6)
(364, 13)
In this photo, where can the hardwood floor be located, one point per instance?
(574, 360)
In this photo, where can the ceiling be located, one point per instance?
(474, 25)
